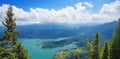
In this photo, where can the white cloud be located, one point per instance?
(88, 4)
(110, 11)
(69, 15)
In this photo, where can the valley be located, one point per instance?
(53, 41)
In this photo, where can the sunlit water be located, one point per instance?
(39, 53)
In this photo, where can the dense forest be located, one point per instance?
(12, 48)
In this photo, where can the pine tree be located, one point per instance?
(76, 56)
(95, 52)
(10, 46)
(105, 52)
(89, 49)
(115, 43)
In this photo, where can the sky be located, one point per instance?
(62, 11)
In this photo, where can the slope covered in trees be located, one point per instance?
(110, 50)
(115, 43)
(10, 46)
(74, 53)
(83, 34)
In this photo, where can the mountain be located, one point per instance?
(44, 30)
(52, 30)
(105, 29)
(81, 39)
(85, 33)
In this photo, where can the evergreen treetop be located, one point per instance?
(105, 51)
(76, 56)
(10, 46)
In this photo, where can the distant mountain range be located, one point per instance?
(62, 30)
(83, 34)
(105, 29)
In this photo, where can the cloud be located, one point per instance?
(77, 14)
(88, 4)
(110, 11)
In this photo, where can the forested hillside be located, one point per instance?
(96, 49)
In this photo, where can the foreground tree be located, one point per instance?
(115, 43)
(10, 46)
(76, 56)
(105, 52)
(89, 49)
(93, 48)
(95, 52)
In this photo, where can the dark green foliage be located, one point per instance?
(93, 50)
(90, 49)
(10, 46)
(115, 43)
(105, 52)
(76, 56)
(10, 33)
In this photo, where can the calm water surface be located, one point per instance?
(39, 53)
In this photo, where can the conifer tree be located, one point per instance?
(89, 49)
(10, 46)
(105, 52)
(115, 43)
(95, 52)
(76, 56)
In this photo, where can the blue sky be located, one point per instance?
(49, 4)
(62, 11)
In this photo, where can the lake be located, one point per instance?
(39, 53)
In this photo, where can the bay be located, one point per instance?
(39, 53)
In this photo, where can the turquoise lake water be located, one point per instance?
(39, 53)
